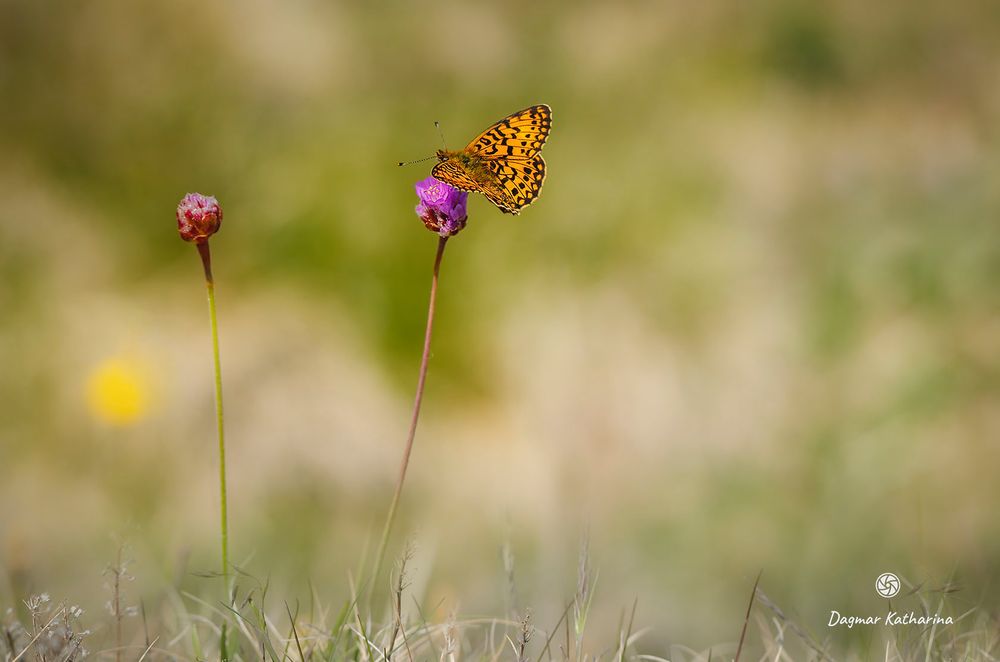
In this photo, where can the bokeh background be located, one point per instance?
(751, 324)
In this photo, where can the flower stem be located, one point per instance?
(206, 260)
(421, 380)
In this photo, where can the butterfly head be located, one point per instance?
(445, 155)
(461, 156)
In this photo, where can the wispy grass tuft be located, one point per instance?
(187, 626)
(55, 632)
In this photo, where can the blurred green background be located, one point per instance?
(751, 323)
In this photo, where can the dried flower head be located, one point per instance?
(198, 217)
(442, 207)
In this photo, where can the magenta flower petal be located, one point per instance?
(442, 208)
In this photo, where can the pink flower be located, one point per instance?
(442, 207)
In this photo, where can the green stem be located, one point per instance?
(421, 380)
(206, 259)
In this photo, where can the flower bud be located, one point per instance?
(198, 217)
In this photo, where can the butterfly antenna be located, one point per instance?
(437, 125)
(406, 163)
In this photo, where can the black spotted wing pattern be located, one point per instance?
(451, 172)
(522, 179)
(520, 135)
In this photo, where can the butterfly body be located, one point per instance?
(472, 164)
(504, 162)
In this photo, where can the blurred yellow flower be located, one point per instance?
(118, 391)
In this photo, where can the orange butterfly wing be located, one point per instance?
(522, 179)
(452, 173)
(520, 135)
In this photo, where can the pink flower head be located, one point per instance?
(198, 217)
(442, 207)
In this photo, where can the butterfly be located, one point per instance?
(504, 162)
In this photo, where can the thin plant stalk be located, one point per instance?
(421, 380)
(206, 260)
(118, 606)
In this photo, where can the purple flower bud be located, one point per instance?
(198, 217)
(442, 207)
